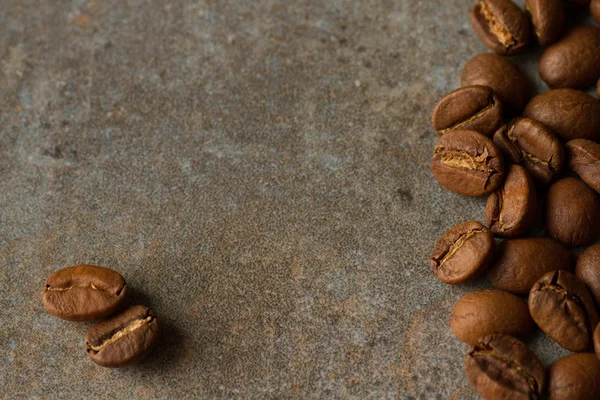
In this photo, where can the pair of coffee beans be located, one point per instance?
(90, 293)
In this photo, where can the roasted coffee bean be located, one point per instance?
(501, 25)
(597, 341)
(574, 61)
(574, 377)
(510, 210)
(531, 144)
(587, 270)
(468, 163)
(584, 159)
(510, 85)
(573, 212)
(482, 313)
(473, 108)
(84, 293)
(548, 18)
(571, 114)
(519, 263)
(561, 306)
(123, 339)
(502, 367)
(462, 253)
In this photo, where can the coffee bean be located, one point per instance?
(501, 25)
(510, 210)
(573, 212)
(502, 367)
(482, 313)
(571, 114)
(587, 270)
(597, 341)
(531, 144)
(123, 339)
(510, 85)
(519, 263)
(84, 293)
(574, 61)
(584, 159)
(548, 18)
(473, 108)
(562, 307)
(595, 9)
(468, 163)
(574, 377)
(462, 253)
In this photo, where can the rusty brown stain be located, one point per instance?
(82, 20)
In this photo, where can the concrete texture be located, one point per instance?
(258, 171)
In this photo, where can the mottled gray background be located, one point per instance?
(259, 173)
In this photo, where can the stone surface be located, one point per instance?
(258, 171)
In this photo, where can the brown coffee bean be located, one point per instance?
(573, 212)
(562, 307)
(510, 210)
(468, 163)
(571, 114)
(595, 9)
(548, 18)
(462, 253)
(502, 367)
(482, 313)
(84, 293)
(473, 108)
(587, 270)
(510, 85)
(574, 61)
(531, 144)
(597, 341)
(519, 263)
(501, 25)
(123, 339)
(574, 377)
(584, 159)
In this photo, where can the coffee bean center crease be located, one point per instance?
(496, 27)
(132, 326)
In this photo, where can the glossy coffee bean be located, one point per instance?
(84, 293)
(587, 270)
(574, 61)
(473, 108)
(510, 85)
(467, 163)
(462, 253)
(123, 339)
(502, 367)
(519, 263)
(548, 18)
(573, 212)
(501, 25)
(561, 306)
(584, 159)
(595, 9)
(574, 377)
(569, 113)
(485, 312)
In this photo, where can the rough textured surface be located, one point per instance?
(258, 171)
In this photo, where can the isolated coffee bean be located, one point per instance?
(123, 339)
(462, 253)
(482, 313)
(584, 158)
(573, 212)
(519, 263)
(510, 85)
(569, 113)
(561, 306)
(531, 144)
(510, 210)
(502, 367)
(84, 293)
(501, 25)
(595, 9)
(473, 108)
(467, 163)
(548, 18)
(574, 61)
(587, 270)
(574, 377)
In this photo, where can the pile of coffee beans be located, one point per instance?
(90, 293)
(533, 156)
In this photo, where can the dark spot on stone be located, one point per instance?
(367, 64)
(65, 123)
(323, 40)
(46, 125)
(416, 108)
(108, 45)
(404, 195)
(462, 31)
(342, 59)
(343, 41)
(361, 49)
(163, 73)
(343, 27)
(56, 152)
